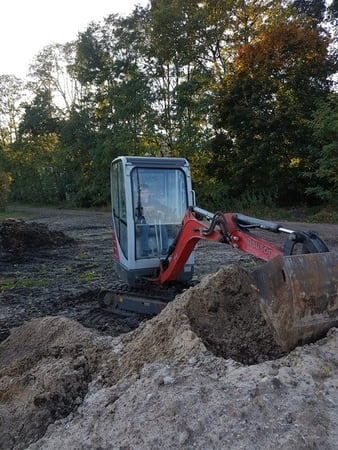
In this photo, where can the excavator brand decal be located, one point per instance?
(259, 246)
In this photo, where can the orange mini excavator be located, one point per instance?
(156, 226)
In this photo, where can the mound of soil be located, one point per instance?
(225, 313)
(205, 373)
(17, 237)
(221, 314)
(160, 387)
(46, 366)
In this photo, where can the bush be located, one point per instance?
(5, 181)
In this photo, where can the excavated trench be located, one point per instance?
(225, 313)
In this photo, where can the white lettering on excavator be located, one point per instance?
(261, 247)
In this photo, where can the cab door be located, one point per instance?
(119, 210)
(160, 200)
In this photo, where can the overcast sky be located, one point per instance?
(26, 26)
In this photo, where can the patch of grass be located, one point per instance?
(17, 282)
(83, 255)
(11, 214)
(324, 215)
(295, 214)
(325, 371)
(87, 277)
(91, 265)
(82, 265)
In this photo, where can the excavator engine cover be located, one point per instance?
(299, 296)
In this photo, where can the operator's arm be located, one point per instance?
(151, 212)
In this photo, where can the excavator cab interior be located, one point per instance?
(149, 198)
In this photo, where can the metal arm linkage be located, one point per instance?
(233, 229)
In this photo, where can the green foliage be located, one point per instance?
(33, 167)
(11, 89)
(265, 106)
(19, 282)
(39, 117)
(325, 176)
(231, 85)
(5, 181)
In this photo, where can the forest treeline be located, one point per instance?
(245, 90)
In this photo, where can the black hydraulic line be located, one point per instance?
(217, 220)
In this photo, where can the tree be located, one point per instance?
(266, 106)
(76, 169)
(5, 181)
(324, 180)
(52, 71)
(12, 93)
(33, 169)
(33, 155)
(311, 9)
(148, 83)
(39, 117)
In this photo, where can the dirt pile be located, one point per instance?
(221, 314)
(17, 237)
(226, 315)
(205, 373)
(47, 271)
(46, 366)
(165, 385)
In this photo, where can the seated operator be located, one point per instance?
(148, 212)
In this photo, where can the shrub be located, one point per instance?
(5, 181)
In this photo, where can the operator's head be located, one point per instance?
(144, 189)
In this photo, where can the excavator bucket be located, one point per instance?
(299, 296)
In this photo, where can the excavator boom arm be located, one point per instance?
(298, 293)
(200, 224)
(233, 229)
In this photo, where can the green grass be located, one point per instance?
(324, 215)
(87, 277)
(13, 214)
(18, 210)
(17, 282)
(294, 214)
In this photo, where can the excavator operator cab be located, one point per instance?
(149, 198)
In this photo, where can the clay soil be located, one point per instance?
(204, 374)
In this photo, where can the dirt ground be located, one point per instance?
(204, 374)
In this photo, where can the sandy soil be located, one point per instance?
(204, 374)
